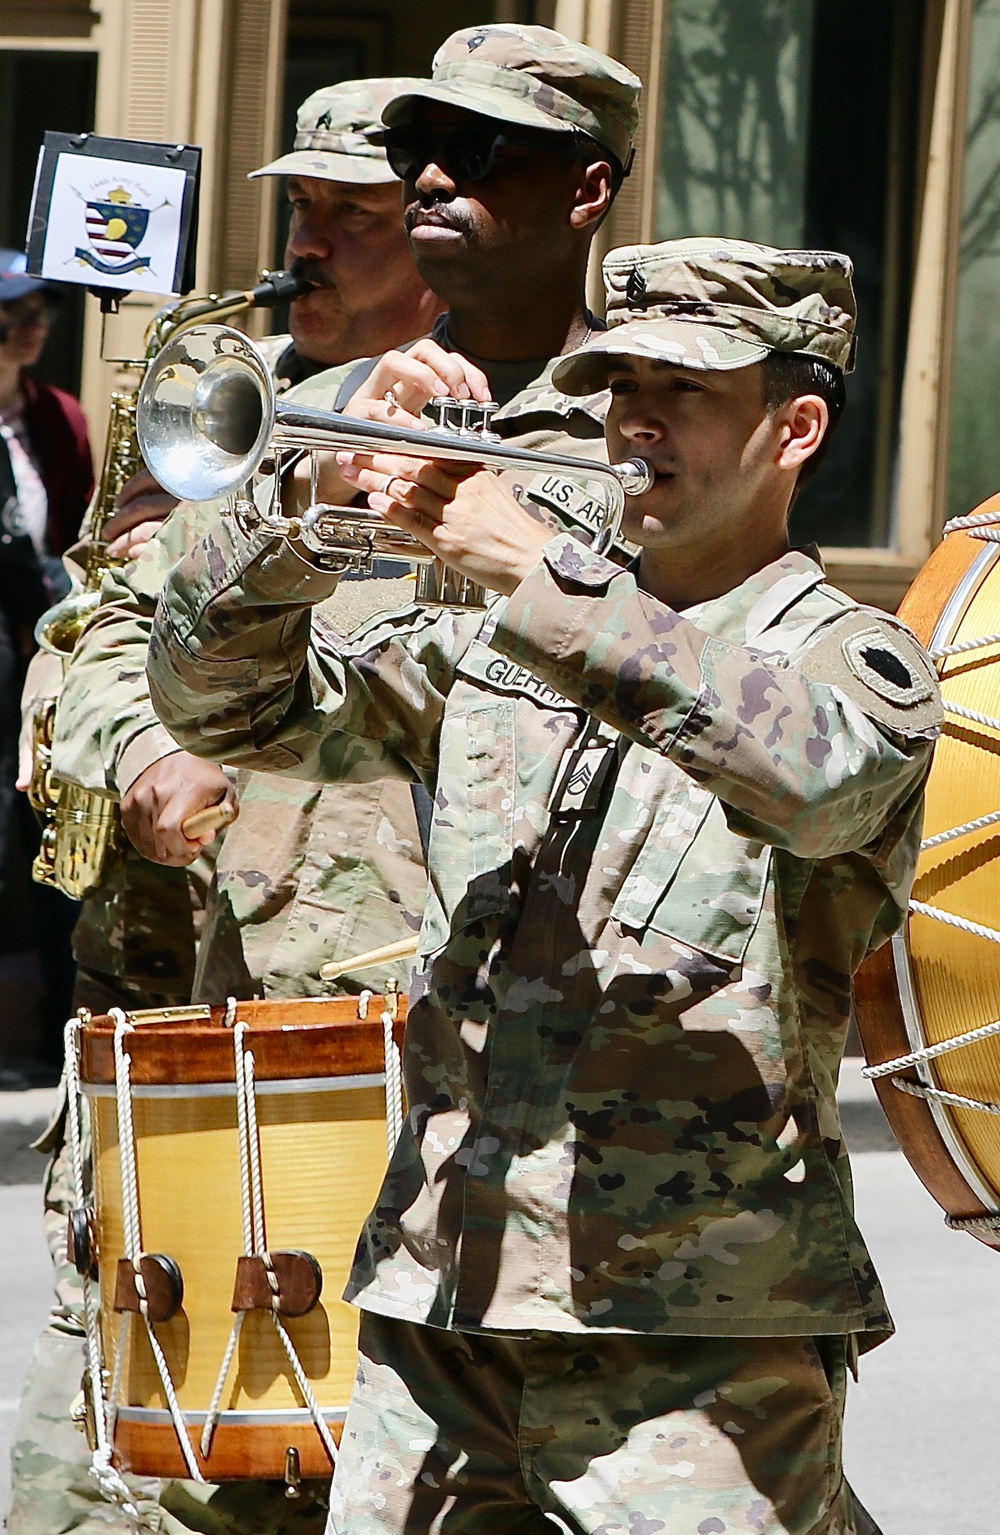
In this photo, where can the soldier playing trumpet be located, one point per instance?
(613, 1278)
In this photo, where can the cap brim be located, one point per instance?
(356, 170)
(12, 288)
(705, 348)
(484, 100)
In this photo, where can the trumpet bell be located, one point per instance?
(206, 413)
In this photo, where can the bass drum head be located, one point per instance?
(938, 979)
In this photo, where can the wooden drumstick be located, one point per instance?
(385, 955)
(213, 818)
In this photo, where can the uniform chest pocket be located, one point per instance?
(694, 879)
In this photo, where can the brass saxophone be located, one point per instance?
(82, 837)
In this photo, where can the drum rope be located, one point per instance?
(989, 720)
(112, 1486)
(133, 1230)
(976, 929)
(965, 830)
(931, 1052)
(939, 1095)
(118, 1365)
(981, 641)
(257, 1190)
(393, 1085)
(259, 1234)
(254, 1239)
(990, 1224)
(974, 520)
(212, 1416)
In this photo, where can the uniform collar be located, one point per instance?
(745, 614)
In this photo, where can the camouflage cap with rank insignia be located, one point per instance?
(713, 303)
(338, 133)
(535, 77)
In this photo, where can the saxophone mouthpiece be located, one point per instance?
(278, 288)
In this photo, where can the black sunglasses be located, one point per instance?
(467, 150)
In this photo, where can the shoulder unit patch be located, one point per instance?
(878, 664)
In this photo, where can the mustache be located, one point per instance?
(451, 214)
(310, 272)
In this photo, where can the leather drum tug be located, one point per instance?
(928, 1003)
(237, 1152)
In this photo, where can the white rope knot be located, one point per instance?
(272, 1280)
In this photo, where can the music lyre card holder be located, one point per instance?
(117, 215)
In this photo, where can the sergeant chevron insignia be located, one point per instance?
(635, 289)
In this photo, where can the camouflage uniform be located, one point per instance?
(135, 942)
(662, 843)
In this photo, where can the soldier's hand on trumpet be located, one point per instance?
(140, 507)
(464, 515)
(395, 392)
(159, 810)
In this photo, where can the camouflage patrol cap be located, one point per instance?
(534, 77)
(713, 303)
(337, 132)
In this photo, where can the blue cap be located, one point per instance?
(14, 280)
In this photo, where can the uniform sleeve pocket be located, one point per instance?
(702, 884)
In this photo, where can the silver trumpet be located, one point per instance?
(208, 420)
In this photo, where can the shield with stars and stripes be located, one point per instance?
(114, 231)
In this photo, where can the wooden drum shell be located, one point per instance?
(320, 1100)
(933, 982)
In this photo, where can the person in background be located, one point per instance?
(44, 447)
(46, 479)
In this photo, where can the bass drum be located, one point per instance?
(928, 1003)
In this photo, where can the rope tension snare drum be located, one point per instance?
(928, 1003)
(237, 1152)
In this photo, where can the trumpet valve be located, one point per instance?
(471, 418)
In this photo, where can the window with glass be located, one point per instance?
(793, 123)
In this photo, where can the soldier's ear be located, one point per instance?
(594, 195)
(802, 424)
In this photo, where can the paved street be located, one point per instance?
(921, 1423)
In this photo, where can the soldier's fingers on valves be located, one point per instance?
(425, 372)
(389, 411)
(463, 379)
